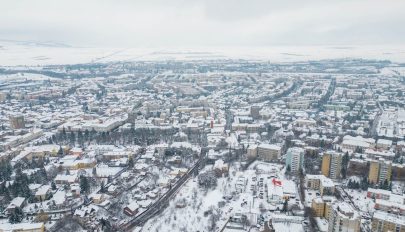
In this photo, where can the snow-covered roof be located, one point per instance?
(396, 219)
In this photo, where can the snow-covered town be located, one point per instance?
(213, 145)
(202, 116)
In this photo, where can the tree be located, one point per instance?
(385, 185)
(102, 187)
(72, 138)
(350, 184)
(64, 133)
(86, 135)
(5, 170)
(131, 162)
(207, 179)
(288, 169)
(285, 205)
(60, 151)
(20, 185)
(84, 184)
(364, 183)
(322, 143)
(53, 186)
(16, 216)
(80, 137)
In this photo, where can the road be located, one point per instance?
(373, 129)
(162, 202)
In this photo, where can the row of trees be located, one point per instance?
(364, 184)
(141, 136)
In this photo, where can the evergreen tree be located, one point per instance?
(53, 186)
(364, 183)
(86, 135)
(350, 184)
(20, 185)
(288, 169)
(72, 138)
(60, 151)
(131, 162)
(64, 133)
(84, 185)
(16, 216)
(102, 187)
(5, 170)
(80, 137)
(285, 205)
(385, 185)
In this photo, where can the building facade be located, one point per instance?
(294, 159)
(379, 171)
(385, 222)
(343, 218)
(17, 121)
(332, 164)
(268, 152)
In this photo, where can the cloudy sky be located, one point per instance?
(188, 23)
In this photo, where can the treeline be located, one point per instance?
(141, 137)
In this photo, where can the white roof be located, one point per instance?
(42, 190)
(381, 215)
(133, 206)
(18, 201)
(385, 142)
(20, 226)
(270, 146)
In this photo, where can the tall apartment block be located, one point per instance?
(332, 164)
(295, 159)
(379, 171)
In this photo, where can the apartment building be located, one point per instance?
(379, 171)
(294, 159)
(343, 218)
(332, 164)
(385, 222)
(268, 152)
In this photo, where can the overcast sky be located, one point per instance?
(199, 23)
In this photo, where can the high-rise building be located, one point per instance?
(255, 112)
(294, 159)
(379, 171)
(332, 164)
(343, 218)
(385, 222)
(17, 121)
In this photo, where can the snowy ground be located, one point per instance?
(12, 54)
(195, 217)
(360, 200)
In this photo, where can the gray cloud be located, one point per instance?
(125, 23)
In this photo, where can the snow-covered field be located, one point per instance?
(25, 76)
(361, 201)
(12, 54)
